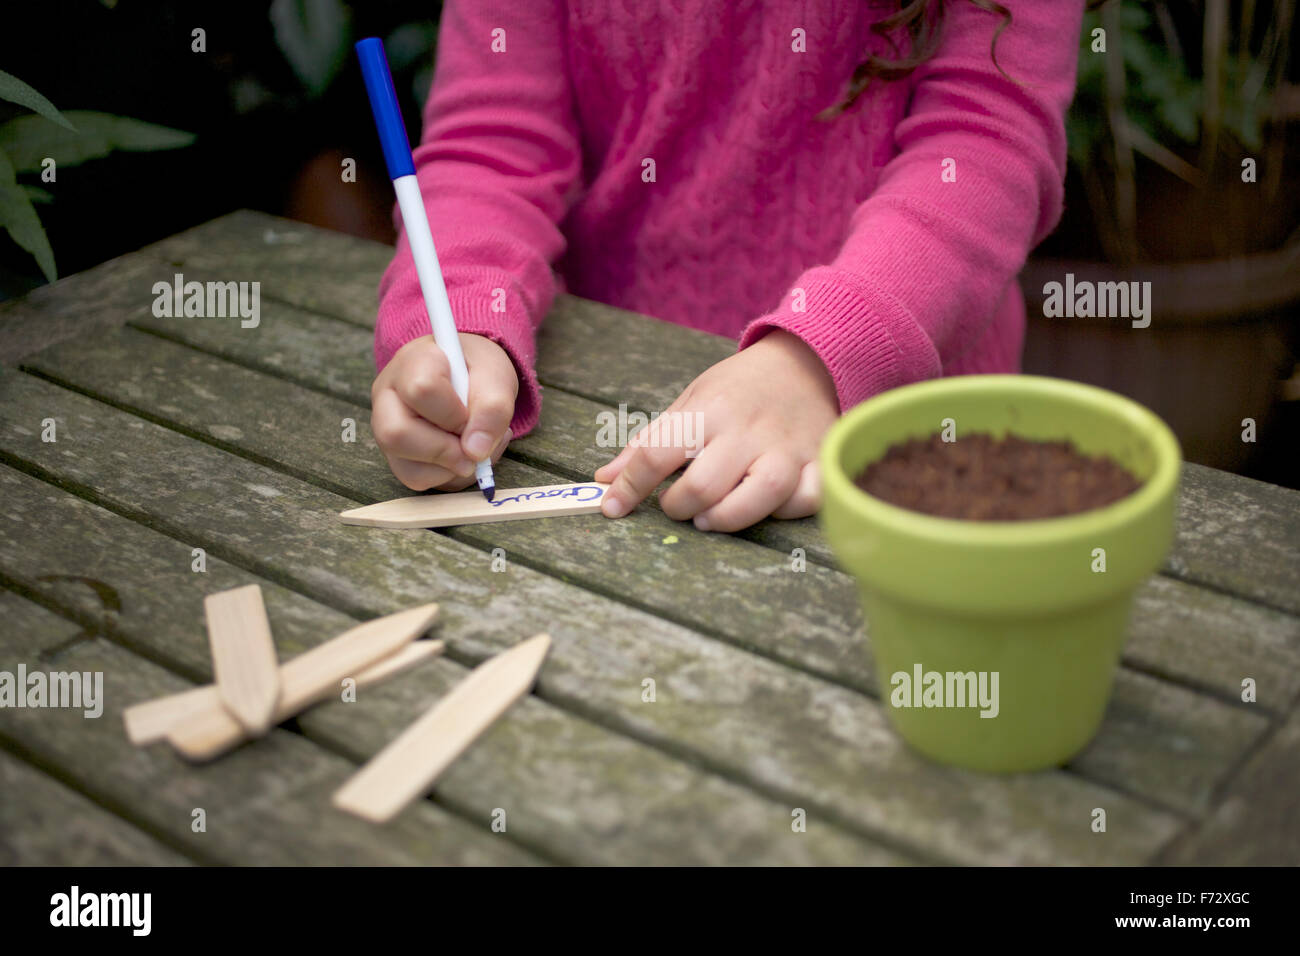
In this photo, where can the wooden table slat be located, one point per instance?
(47, 823)
(43, 821)
(1257, 822)
(98, 298)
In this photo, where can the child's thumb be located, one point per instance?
(492, 392)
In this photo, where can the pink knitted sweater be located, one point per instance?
(664, 156)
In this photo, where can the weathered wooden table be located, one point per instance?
(183, 434)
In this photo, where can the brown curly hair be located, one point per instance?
(923, 22)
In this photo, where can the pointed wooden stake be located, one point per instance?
(367, 653)
(151, 720)
(410, 764)
(417, 652)
(469, 507)
(243, 655)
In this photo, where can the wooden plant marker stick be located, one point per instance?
(409, 765)
(319, 670)
(444, 510)
(150, 721)
(212, 732)
(313, 676)
(243, 655)
(414, 653)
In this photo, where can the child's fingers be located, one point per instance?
(707, 480)
(493, 388)
(657, 432)
(425, 386)
(460, 483)
(767, 484)
(646, 467)
(400, 433)
(807, 496)
(419, 476)
(614, 467)
(501, 445)
(455, 483)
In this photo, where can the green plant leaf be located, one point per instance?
(38, 195)
(18, 217)
(410, 43)
(16, 91)
(313, 35)
(30, 139)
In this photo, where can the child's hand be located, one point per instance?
(428, 436)
(762, 414)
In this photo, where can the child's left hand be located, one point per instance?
(761, 416)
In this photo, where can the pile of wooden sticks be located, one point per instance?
(253, 691)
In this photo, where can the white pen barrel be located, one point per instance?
(411, 203)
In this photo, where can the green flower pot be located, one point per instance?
(1026, 601)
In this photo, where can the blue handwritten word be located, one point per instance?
(578, 492)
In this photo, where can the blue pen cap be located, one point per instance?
(383, 103)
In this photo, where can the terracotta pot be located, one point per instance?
(1213, 354)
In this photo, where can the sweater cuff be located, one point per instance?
(867, 339)
(403, 318)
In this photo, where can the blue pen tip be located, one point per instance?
(383, 103)
(489, 492)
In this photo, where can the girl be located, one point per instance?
(847, 187)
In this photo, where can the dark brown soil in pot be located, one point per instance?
(981, 478)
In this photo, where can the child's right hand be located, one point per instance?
(424, 430)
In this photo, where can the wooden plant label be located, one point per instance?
(470, 507)
(410, 764)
